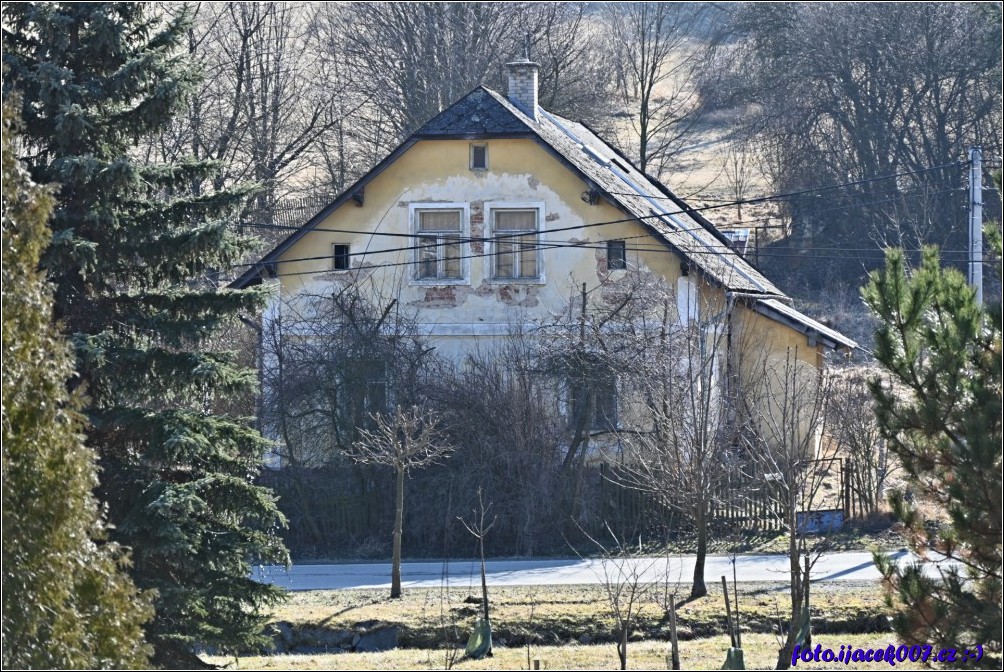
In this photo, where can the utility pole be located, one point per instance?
(976, 221)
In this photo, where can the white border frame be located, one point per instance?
(470, 158)
(489, 261)
(465, 246)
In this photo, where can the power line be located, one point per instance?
(458, 240)
(659, 216)
(852, 253)
(654, 247)
(791, 194)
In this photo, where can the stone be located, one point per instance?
(585, 638)
(322, 637)
(378, 639)
(284, 629)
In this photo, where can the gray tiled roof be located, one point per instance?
(782, 312)
(477, 113)
(485, 112)
(636, 193)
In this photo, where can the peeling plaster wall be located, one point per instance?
(454, 314)
(438, 172)
(458, 316)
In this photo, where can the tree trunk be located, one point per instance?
(700, 589)
(795, 568)
(622, 647)
(395, 572)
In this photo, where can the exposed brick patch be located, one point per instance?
(441, 296)
(533, 182)
(524, 296)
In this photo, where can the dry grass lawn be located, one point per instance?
(760, 652)
(556, 619)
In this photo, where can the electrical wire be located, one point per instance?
(742, 224)
(830, 253)
(791, 194)
(653, 247)
(685, 211)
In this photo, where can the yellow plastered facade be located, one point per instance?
(459, 316)
(520, 172)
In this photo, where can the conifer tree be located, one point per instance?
(131, 256)
(67, 601)
(941, 415)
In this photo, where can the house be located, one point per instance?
(496, 208)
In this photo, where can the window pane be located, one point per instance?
(479, 157)
(342, 257)
(616, 255)
(427, 257)
(505, 259)
(528, 257)
(376, 397)
(515, 220)
(602, 393)
(606, 405)
(438, 220)
(451, 257)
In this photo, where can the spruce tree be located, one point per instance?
(67, 601)
(131, 256)
(940, 411)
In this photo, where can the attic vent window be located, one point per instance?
(342, 258)
(479, 157)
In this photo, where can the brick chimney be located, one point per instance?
(523, 85)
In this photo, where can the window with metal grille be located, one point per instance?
(342, 258)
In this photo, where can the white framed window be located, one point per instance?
(479, 156)
(515, 254)
(439, 231)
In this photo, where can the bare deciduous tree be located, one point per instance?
(852, 419)
(269, 95)
(513, 452)
(842, 93)
(415, 59)
(659, 50)
(405, 441)
(690, 391)
(792, 460)
(629, 580)
(328, 362)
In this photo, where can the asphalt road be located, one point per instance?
(852, 566)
